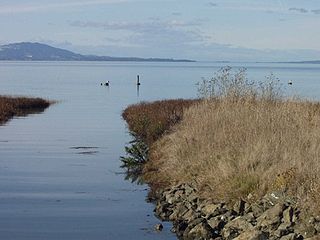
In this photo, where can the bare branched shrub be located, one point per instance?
(271, 89)
(235, 85)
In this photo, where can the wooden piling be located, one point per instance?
(138, 80)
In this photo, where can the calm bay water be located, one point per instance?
(51, 187)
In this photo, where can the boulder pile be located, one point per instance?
(272, 217)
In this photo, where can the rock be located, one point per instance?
(229, 215)
(272, 217)
(283, 229)
(180, 227)
(173, 230)
(158, 227)
(216, 223)
(256, 209)
(192, 198)
(190, 215)
(212, 210)
(189, 205)
(163, 210)
(233, 228)
(200, 231)
(178, 211)
(191, 225)
(291, 236)
(271, 199)
(249, 217)
(239, 207)
(230, 233)
(288, 215)
(195, 222)
(172, 198)
(295, 217)
(253, 234)
(208, 209)
(240, 223)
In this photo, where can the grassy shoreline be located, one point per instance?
(20, 106)
(235, 145)
(231, 150)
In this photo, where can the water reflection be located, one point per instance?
(134, 175)
(136, 155)
(4, 118)
(138, 91)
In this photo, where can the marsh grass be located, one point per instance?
(149, 121)
(20, 106)
(234, 143)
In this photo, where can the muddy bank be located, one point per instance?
(272, 217)
(20, 106)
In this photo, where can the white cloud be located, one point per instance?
(24, 8)
(147, 26)
(151, 33)
(212, 4)
(299, 10)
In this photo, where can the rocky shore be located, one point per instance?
(273, 217)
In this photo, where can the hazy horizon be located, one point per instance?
(229, 30)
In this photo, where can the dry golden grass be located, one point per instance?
(18, 106)
(243, 138)
(230, 148)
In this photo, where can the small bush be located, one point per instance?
(149, 121)
(137, 153)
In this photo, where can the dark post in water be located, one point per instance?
(138, 80)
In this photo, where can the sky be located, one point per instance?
(203, 30)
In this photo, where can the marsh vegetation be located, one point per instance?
(20, 106)
(243, 138)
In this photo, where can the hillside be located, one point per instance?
(27, 51)
(35, 51)
(311, 62)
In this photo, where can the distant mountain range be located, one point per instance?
(27, 51)
(311, 62)
(298, 62)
